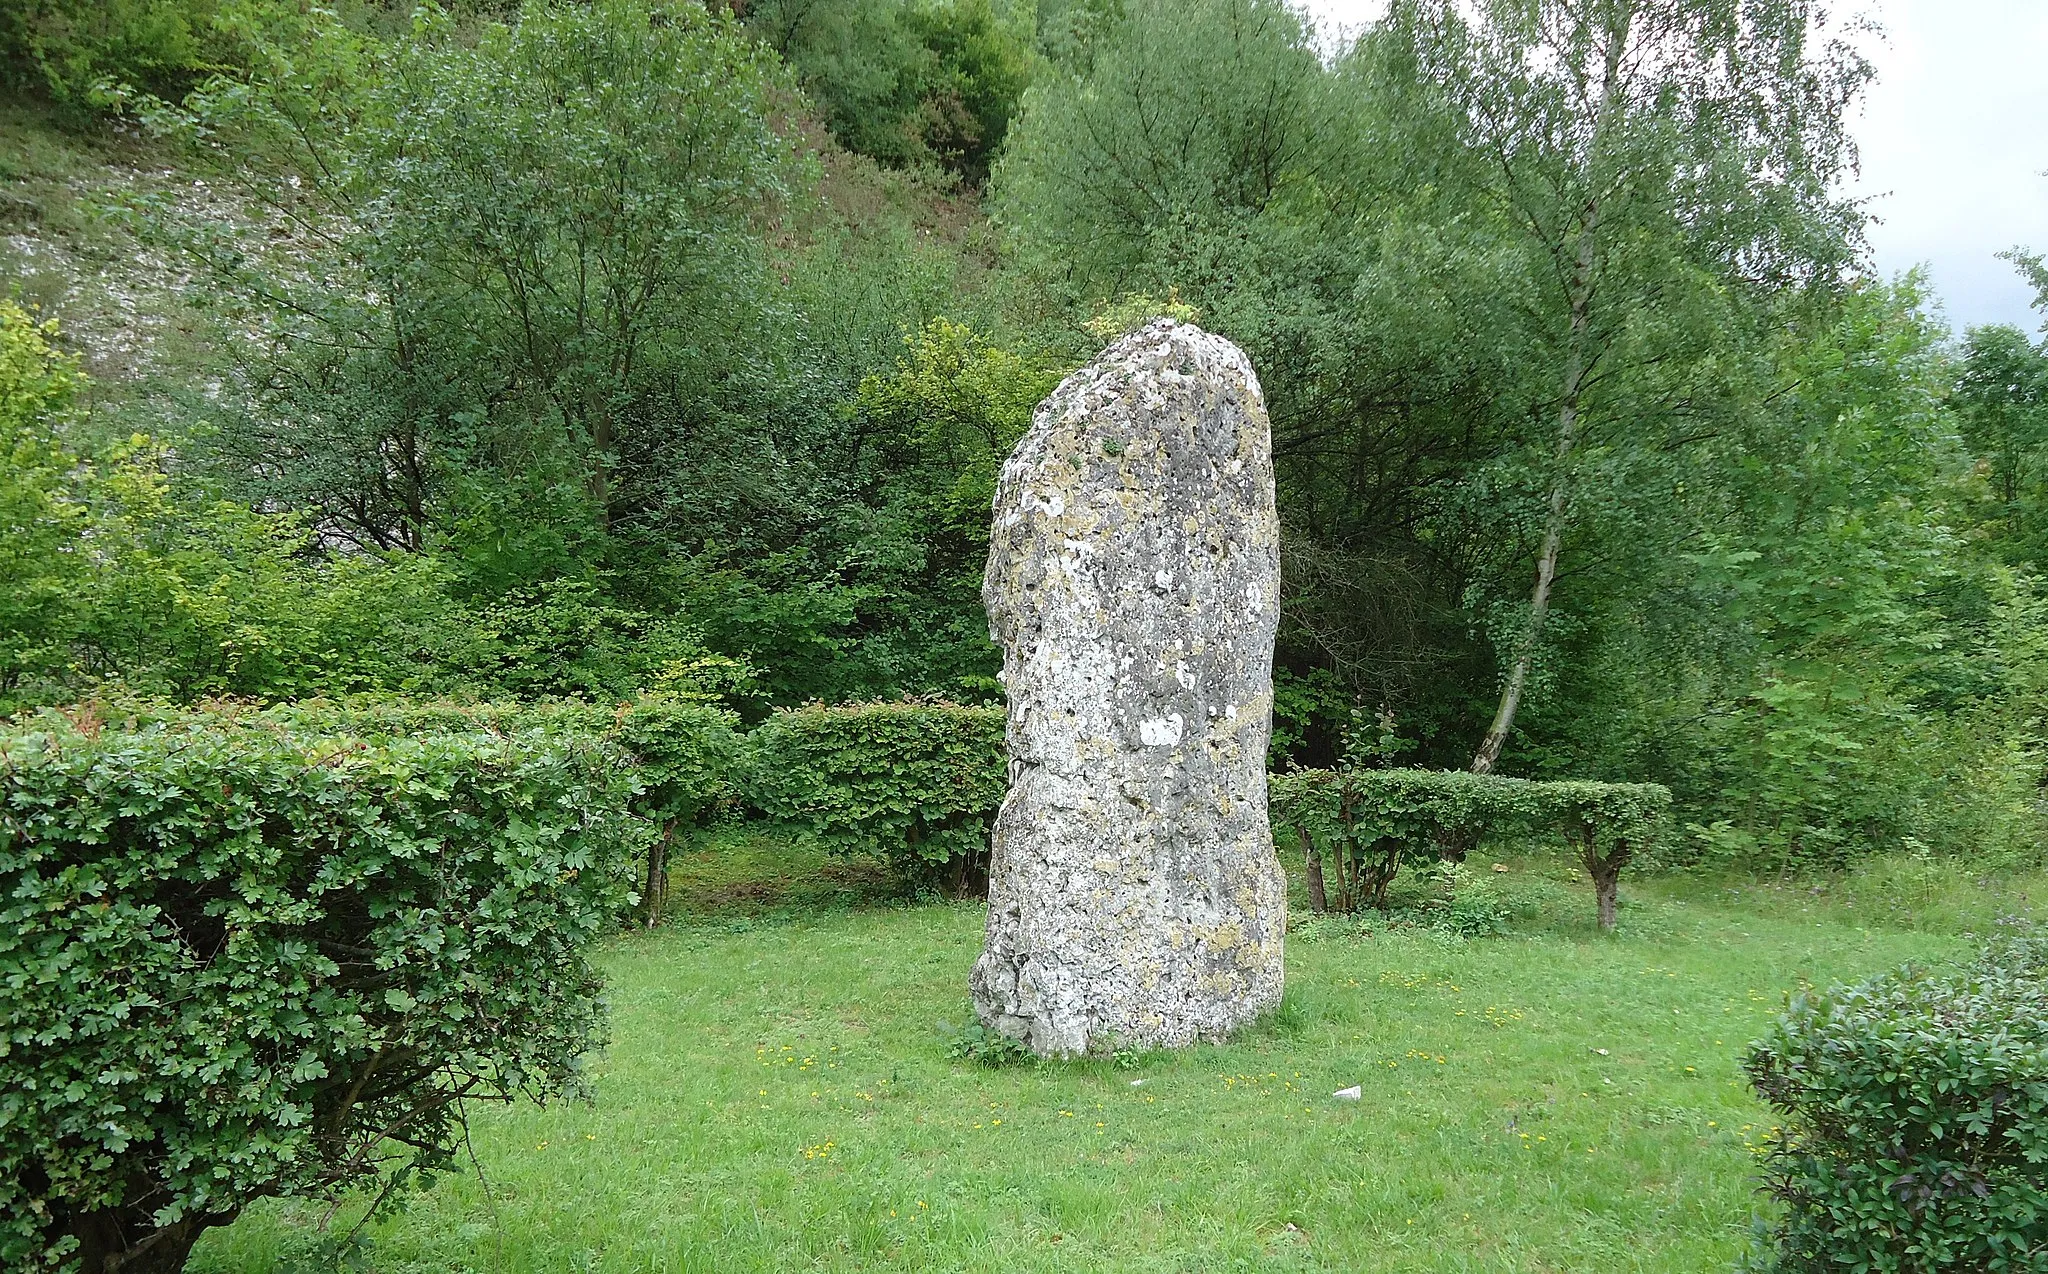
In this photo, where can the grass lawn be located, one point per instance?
(778, 1096)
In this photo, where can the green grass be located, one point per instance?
(778, 1097)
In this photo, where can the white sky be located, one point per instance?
(1954, 138)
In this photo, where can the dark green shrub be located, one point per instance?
(1356, 827)
(243, 959)
(916, 782)
(1916, 1121)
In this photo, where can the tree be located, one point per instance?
(531, 252)
(929, 81)
(39, 509)
(1207, 151)
(1190, 117)
(1848, 612)
(87, 52)
(2033, 266)
(1653, 160)
(112, 569)
(2001, 400)
(930, 437)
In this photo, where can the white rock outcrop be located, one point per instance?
(1133, 583)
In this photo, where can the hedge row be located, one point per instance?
(670, 760)
(246, 958)
(1356, 827)
(920, 782)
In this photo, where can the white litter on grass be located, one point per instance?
(1137, 1083)
(1353, 1093)
(1601, 1051)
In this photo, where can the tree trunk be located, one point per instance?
(657, 875)
(1606, 886)
(1553, 527)
(1457, 842)
(1318, 900)
(1386, 854)
(600, 472)
(1583, 268)
(104, 1247)
(1605, 871)
(962, 868)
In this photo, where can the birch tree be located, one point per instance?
(1655, 164)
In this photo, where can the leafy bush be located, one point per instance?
(674, 754)
(1916, 1109)
(976, 1043)
(677, 753)
(916, 782)
(1468, 903)
(244, 959)
(385, 717)
(1357, 827)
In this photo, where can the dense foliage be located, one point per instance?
(1356, 827)
(906, 81)
(245, 959)
(1917, 1120)
(83, 51)
(645, 346)
(916, 782)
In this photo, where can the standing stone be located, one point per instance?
(1133, 582)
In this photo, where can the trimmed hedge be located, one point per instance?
(1356, 827)
(1916, 1109)
(679, 753)
(244, 959)
(918, 782)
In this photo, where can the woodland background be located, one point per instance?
(586, 350)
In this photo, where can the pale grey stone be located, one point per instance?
(1133, 583)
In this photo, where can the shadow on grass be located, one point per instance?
(746, 873)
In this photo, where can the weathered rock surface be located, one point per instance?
(1133, 583)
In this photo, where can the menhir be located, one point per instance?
(1133, 584)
